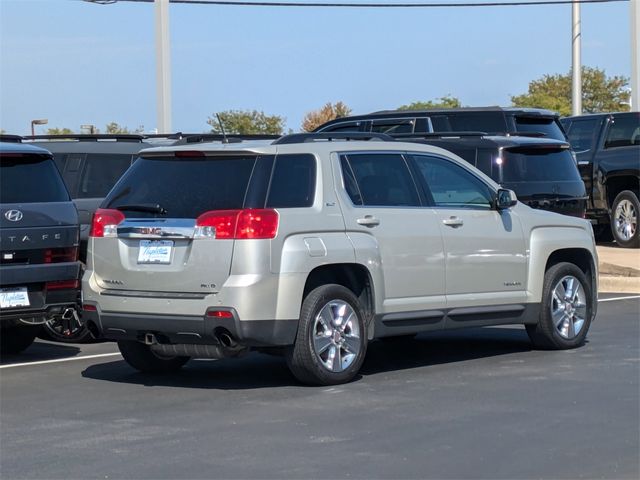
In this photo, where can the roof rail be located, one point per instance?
(4, 137)
(331, 136)
(89, 137)
(187, 138)
(439, 135)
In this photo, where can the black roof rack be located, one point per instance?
(4, 137)
(187, 138)
(439, 135)
(89, 137)
(330, 136)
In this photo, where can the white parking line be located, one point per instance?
(102, 355)
(60, 360)
(617, 298)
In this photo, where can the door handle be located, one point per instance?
(368, 221)
(454, 222)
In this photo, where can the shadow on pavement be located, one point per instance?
(40, 351)
(265, 371)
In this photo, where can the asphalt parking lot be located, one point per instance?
(467, 404)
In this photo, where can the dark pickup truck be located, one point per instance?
(607, 146)
(39, 241)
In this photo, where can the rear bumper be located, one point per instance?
(43, 305)
(188, 329)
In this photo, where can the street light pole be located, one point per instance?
(634, 13)
(576, 62)
(163, 66)
(42, 121)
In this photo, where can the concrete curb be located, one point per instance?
(618, 284)
(618, 270)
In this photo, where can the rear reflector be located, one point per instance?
(250, 223)
(219, 314)
(58, 255)
(89, 308)
(105, 223)
(62, 285)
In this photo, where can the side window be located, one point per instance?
(343, 127)
(623, 132)
(293, 183)
(100, 173)
(452, 185)
(391, 126)
(379, 180)
(582, 133)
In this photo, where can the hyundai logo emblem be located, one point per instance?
(13, 215)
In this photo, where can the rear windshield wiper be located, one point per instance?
(144, 207)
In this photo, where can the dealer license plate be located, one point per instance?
(14, 297)
(155, 251)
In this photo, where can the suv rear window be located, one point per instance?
(489, 122)
(30, 179)
(548, 126)
(538, 165)
(101, 171)
(184, 187)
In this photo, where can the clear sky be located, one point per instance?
(80, 63)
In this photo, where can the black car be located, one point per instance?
(541, 171)
(607, 146)
(490, 120)
(39, 243)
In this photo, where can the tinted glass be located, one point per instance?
(624, 131)
(30, 179)
(393, 126)
(489, 122)
(452, 185)
(185, 187)
(100, 173)
(539, 165)
(343, 127)
(582, 134)
(381, 180)
(293, 182)
(548, 126)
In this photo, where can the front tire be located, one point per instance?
(565, 314)
(624, 219)
(331, 342)
(140, 357)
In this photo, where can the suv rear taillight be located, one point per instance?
(105, 223)
(250, 223)
(58, 255)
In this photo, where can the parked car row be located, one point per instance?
(313, 244)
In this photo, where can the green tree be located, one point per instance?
(59, 131)
(599, 93)
(114, 128)
(247, 122)
(329, 111)
(443, 102)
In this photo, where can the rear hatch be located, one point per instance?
(145, 237)
(544, 177)
(38, 221)
(540, 125)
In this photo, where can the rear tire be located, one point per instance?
(331, 342)
(565, 314)
(624, 219)
(140, 357)
(16, 339)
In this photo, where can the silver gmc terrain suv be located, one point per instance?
(316, 244)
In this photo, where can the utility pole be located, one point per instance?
(634, 13)
(576, 62)
(163, 66)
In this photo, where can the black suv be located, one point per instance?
(491, 120)
(39, 241)
(541, 171)
(608, 149)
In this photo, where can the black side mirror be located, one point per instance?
(505, 199)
